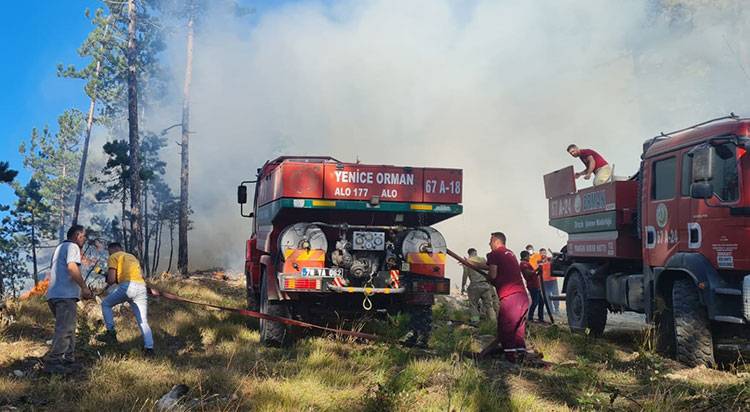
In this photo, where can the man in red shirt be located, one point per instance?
(595, 164)
(534, 286)
(505, 275)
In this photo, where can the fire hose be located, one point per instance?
(258, 315)
(470, 265)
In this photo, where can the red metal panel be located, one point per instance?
(559, 183)
(361, 182)
(292, 179)
(620, 244)
(300, 180)
(443, 185)
(610, 196)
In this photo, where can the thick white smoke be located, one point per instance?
(497, 88)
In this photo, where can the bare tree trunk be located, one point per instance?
(33, 247)
(61, 231)
(171, 245)
(146, 264)
(87, 138)
(122, 220)
(136, 217)
(157, 245)
(182, 258)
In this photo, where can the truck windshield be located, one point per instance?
(726, 177)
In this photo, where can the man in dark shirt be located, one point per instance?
(505, 275)
(533, 285)
(594, 163)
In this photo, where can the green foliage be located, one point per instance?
(107, 45)
(54, 159)
(6, 173)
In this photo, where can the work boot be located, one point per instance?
(109, 337)
(148, 352)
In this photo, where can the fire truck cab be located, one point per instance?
(672, 242)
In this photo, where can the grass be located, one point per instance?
(220, 359)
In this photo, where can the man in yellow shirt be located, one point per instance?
(125, 270)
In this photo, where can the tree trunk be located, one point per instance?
(171, 246)
(146, 264)
(61, 231)
(87, 138)
(157, 245)
(136, 217)
(123, 225)
(33, 247)
(182, 259)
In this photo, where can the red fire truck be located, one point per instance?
(332, 240)
(669, 242)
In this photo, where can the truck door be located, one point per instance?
(719, 236)
(660, 196)
(689, 231)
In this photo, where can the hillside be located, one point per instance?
(220, 360)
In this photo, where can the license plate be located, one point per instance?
(322, 272)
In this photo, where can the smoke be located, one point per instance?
(497, 88)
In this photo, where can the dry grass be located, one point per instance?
(220, 359)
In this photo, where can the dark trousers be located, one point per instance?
(511, 324)
(64, 341)
(536, 303)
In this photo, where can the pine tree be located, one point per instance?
(114, 180)
(53, 160)
(32, 222)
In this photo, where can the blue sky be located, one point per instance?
(35, 40)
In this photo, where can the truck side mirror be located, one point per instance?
(702, 190)
(703, 159)
(242, 194)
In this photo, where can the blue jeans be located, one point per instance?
(136, 295)
(536, 304)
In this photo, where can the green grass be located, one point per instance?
(226, 369)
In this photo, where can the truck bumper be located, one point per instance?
(293, 283)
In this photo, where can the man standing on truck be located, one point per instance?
(594, 163)
(482, 296)
(505, 273)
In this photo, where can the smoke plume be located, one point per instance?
(497, 88)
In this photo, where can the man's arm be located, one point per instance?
(463, 280)
(111, 276)
(590, 165)
(492, 273)
(75, 273)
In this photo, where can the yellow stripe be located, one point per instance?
(324, 203)
(420, 206)
(350, 290)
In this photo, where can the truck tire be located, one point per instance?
(272, 333)
(583, 312)
(693, 341)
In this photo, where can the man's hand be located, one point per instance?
(86, 293)
(578, 174)
(588, 176)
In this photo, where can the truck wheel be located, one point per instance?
(693, 341)
(584, 313)
(272, 333)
